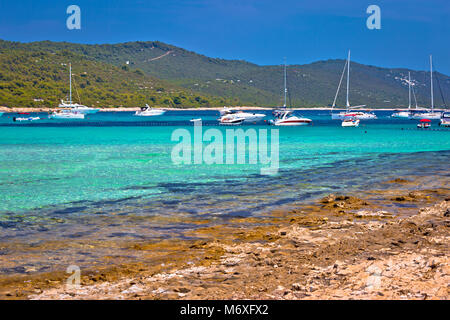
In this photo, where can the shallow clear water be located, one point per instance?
(111, 175)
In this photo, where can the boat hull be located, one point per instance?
(428, 115)
(150, 113)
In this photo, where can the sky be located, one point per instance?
(259, 31)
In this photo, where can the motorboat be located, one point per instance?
(75, 107)
(424, 124)
(196, 120)
(430, 114)
(66, 114)
(231, 120)
(21, 119)
(147, 111)
(445, 119)
(287, 118)
(350, 122)
(239, 114)
(348, 113)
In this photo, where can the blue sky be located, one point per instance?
(260, 31)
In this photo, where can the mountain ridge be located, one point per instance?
(240, 82)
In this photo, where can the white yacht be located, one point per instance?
(406, 113)
(287, 118)
(431, 114)
(66, 114)
(75, 107)
(239, 114)
(147, 111)
(348, 113)
(230, 120)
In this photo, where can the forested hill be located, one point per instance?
(219, 81)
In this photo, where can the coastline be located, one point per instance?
(340, 247)
(133, 109)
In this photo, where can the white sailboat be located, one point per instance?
(284, 117)
(148, 111)
(406, 114)
(75, 107)
(348, 113)
(430, 114)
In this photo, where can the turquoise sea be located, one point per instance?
(110, 176)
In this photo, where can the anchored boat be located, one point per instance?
(147, 111)
(347, 112)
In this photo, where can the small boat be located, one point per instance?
(231, 120)
(75, 107)
(347, 113)
(350, 122)
(247, 116)
(26, 119)
(147, 111)
(424, 124)
(286, 118)
(196, 120)
(66, 114)
(445, 119)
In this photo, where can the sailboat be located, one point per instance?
(348, 113)
(70, 105)
(406, 114)
(284, 117)
(430, 114)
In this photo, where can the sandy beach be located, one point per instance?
(340, 247)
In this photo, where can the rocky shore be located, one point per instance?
(342, 247)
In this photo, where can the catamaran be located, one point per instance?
(406, 114)
(70, 105)
(430, 114)
(284, 117)
(239, 114)
(147, 111)
(347, 113)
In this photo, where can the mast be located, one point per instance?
(409, 89)
(431, 72)
(348, 78)
(339, 86)
(285, 85)
(70, 81)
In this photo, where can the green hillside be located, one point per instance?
(33, 78)
(241, 82)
